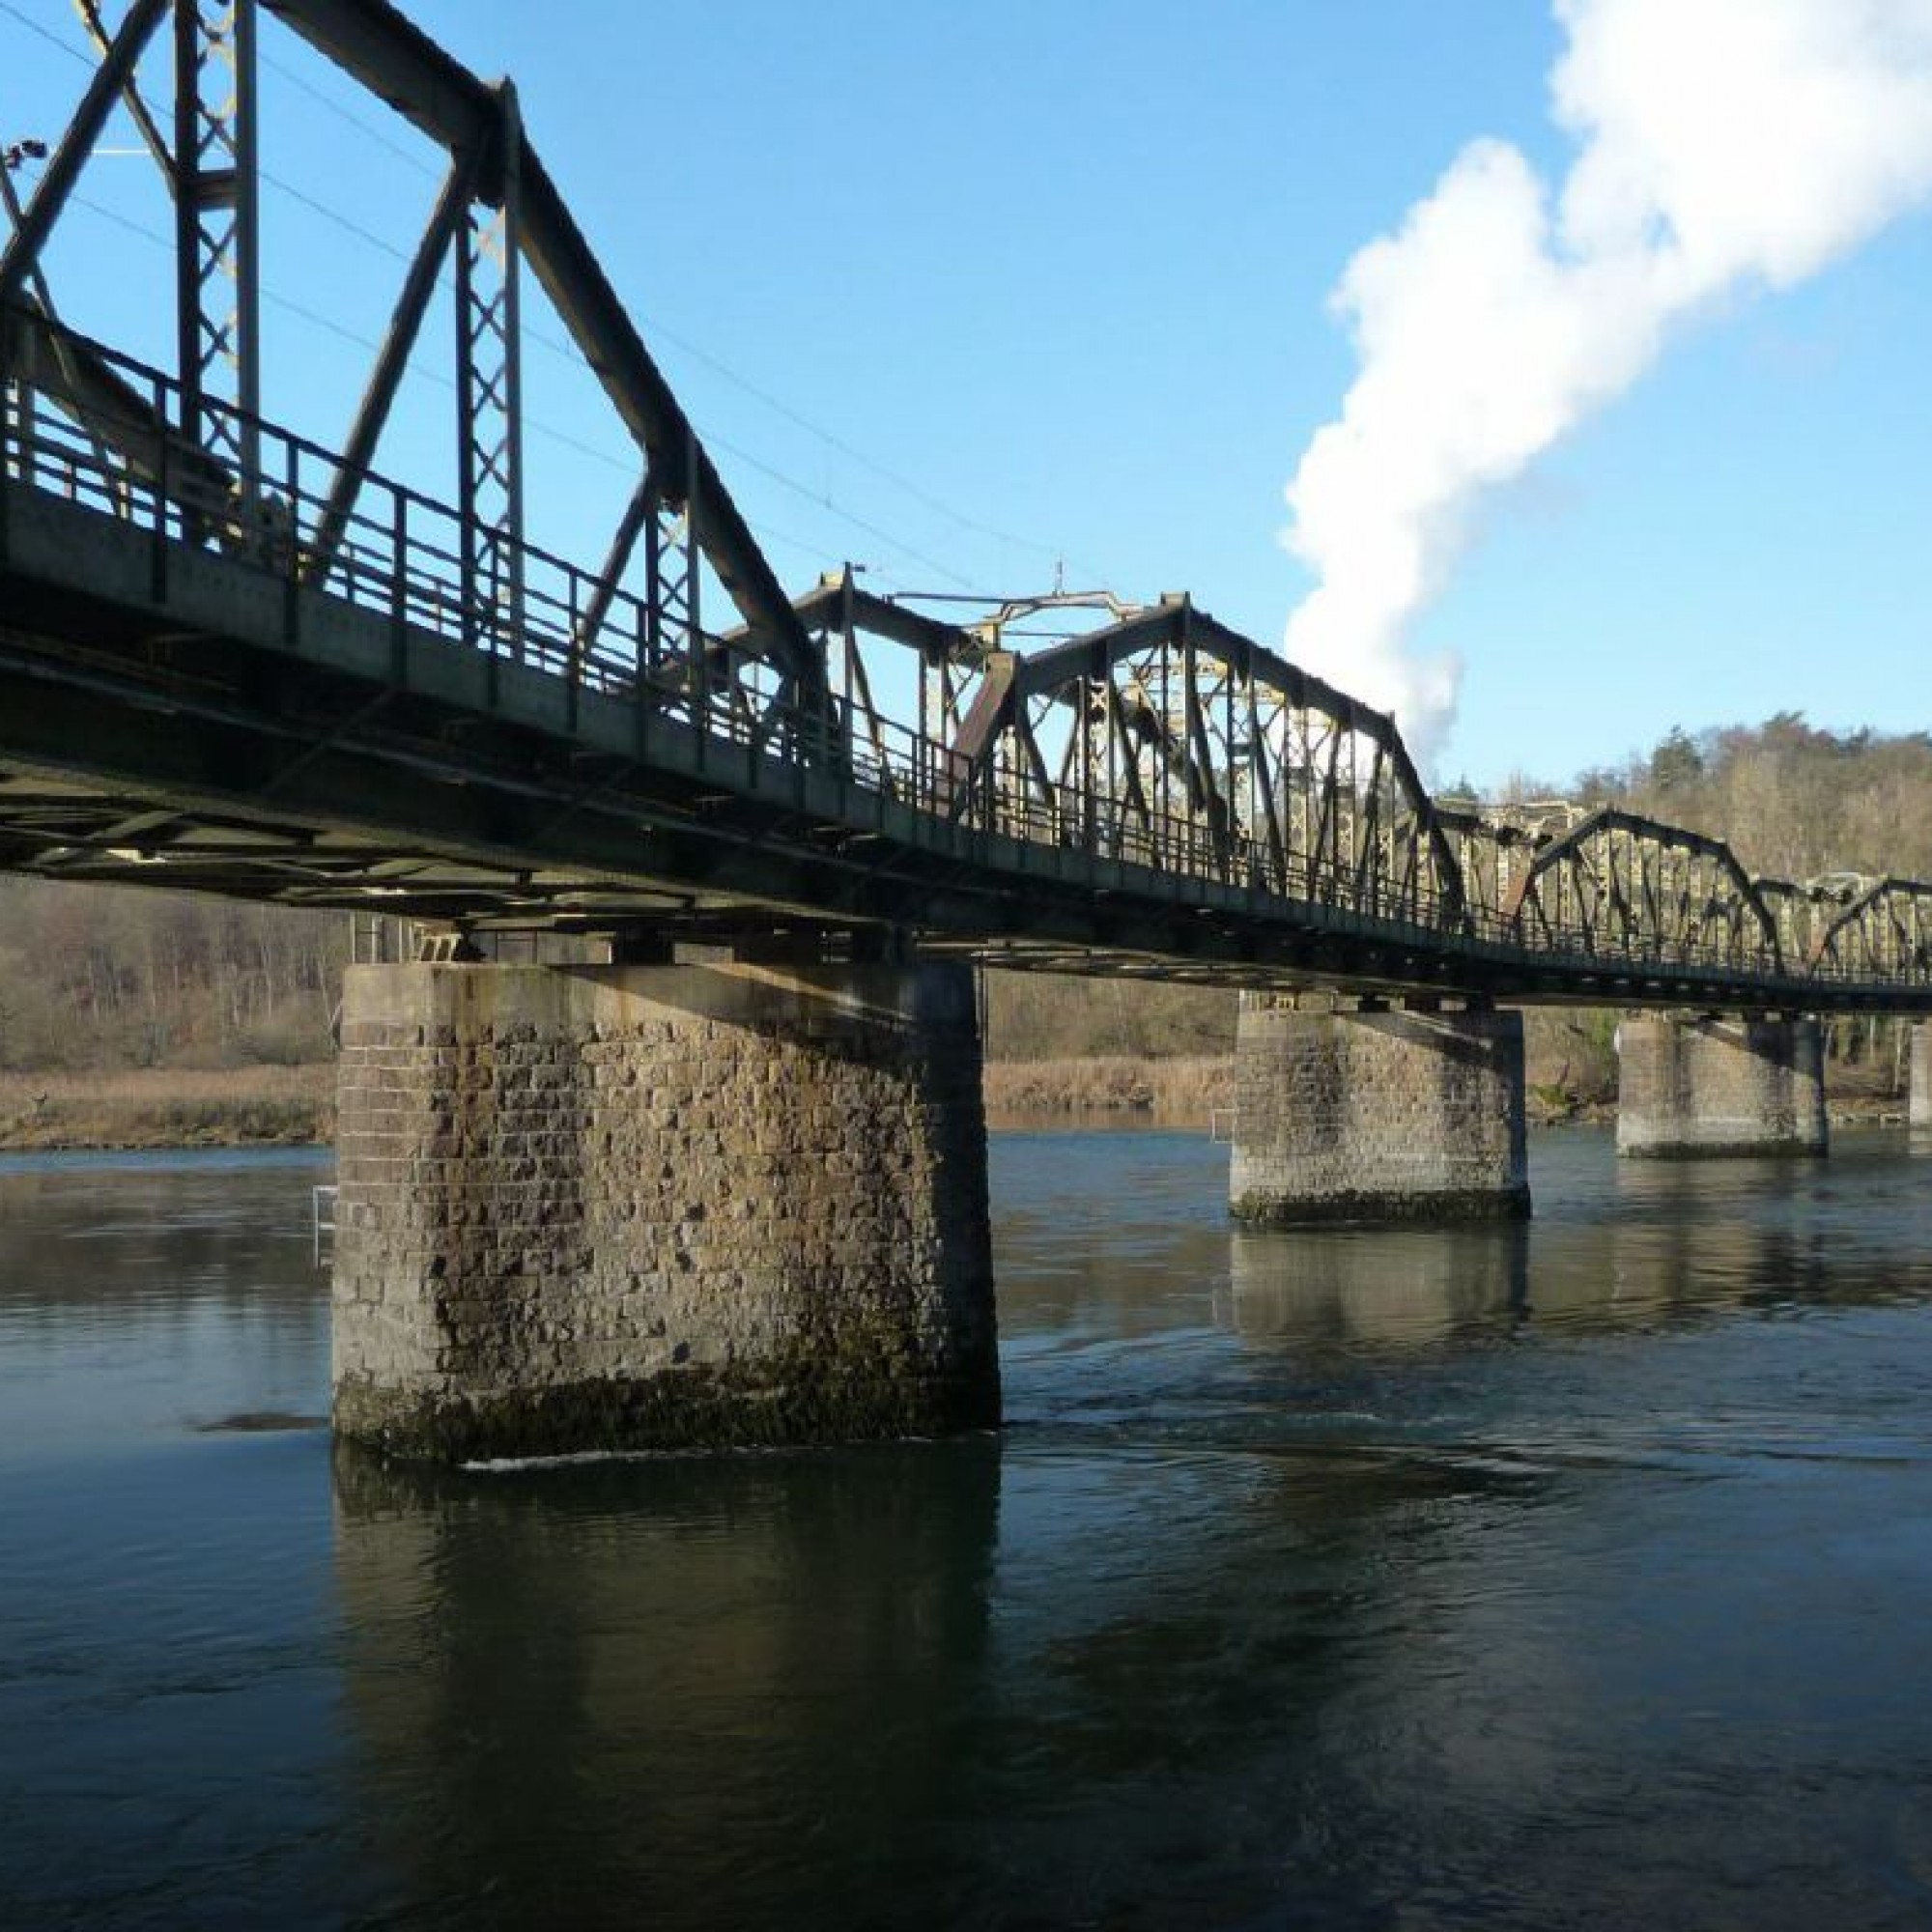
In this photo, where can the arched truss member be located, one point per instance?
(192, 454)
(1162, 739)
(1624, 887)
(1874, 929)
(1794, 908)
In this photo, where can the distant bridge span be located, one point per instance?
(234, 658)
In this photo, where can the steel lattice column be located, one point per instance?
(217, 259)
(489, 398)
(670, 567)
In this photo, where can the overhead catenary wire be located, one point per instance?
(820, 498)
(815, 551)
(657, 327)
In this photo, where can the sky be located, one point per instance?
(982, 297)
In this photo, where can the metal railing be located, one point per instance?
(116, 448)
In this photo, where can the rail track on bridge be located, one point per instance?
(236, 659)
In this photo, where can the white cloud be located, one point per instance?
(1721, 146)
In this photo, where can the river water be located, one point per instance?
(1578, 1575)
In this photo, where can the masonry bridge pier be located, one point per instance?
(709, 1165)
(1717, 1084)
(715, 1202)
(1373, 1111)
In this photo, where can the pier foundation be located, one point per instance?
(1919, 1108)
(1377, 1115)
(646, 1207)
(1695, 1088)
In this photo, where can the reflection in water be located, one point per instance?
(1392, 1287)
(1671, 1239)
(907, 1673)
(657, 1680)
(1571, 1573)
(141, 1291)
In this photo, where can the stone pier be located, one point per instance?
(1377, 1115)
(1919, 1107)
(622, 1207)
(1695, 1088)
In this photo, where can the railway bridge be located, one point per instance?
(671, 1129)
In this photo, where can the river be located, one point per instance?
(1576, 1574)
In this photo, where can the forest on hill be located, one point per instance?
(1791, 800)
(100, 978)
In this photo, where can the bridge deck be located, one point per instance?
(173, 715)
(235, 659)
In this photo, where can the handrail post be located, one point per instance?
(399, 586)
(7, 415)
(163, 486)
(573, 664)
(283, 548)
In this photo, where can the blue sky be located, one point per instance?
(1066, 269)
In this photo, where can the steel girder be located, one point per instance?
(500, 212)
(1624, 885)
(1163, 738)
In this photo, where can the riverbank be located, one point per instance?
(158, 1107)
(255, 1106)
(1180, 1092)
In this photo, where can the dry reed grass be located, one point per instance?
(167, 1107)
(1179, 1092)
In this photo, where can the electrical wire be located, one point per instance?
(662, 331)
(819, 498)
(354, 120)
(47, 33)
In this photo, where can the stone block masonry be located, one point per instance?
(1377, 1115)
(1919, 1107)
(624, 1206)
(1706, 1087)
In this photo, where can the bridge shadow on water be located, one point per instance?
(944, 1683)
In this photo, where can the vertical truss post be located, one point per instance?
(701, 669)
(488, 394)
(217, 287)
(1192, 737)
(671, 577)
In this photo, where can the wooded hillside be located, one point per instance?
(106, 977)
(1792, 800)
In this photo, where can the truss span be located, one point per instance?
(243, 658)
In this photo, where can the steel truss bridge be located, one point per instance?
(235, 660)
